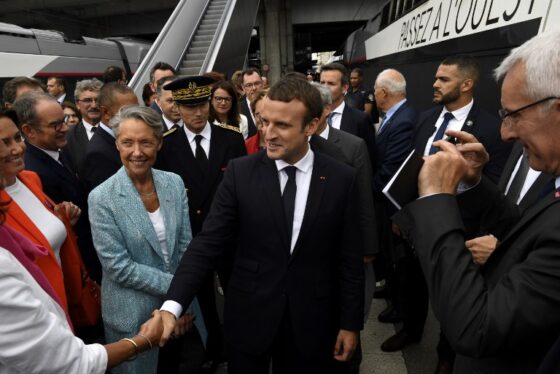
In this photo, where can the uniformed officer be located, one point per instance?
(199, 152)
(359, 96)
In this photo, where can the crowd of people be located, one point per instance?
(119, 222)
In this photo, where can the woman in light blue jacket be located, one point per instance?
(140, 226)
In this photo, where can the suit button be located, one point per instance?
(199, 211)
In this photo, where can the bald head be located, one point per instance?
(389, 89)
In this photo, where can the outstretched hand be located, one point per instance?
(169, 322)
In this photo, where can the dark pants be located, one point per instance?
(207, 300)
(412, 295)
(284, 357)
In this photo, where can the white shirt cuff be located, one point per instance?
(172, 307)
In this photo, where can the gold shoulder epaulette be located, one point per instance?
(228, 127)
(169, 132)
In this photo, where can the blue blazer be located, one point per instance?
(135, 276)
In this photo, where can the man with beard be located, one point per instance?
(455, 81)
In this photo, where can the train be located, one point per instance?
(414, 36)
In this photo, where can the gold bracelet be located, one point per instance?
(148, 340)
(135, 348)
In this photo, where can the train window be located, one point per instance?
(385, 19)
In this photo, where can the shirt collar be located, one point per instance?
(393, 109)
(339, 109)
(206, 133)
(557, 182)
(304, 164)
(461, 113)
(325, 133)
(169, 124)
(87, 125)
(107, 129)
(54, 154)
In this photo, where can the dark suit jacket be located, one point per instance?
(102, 159)
(176, 156)
(504, 317)
(61, 184)
(353, 151)
(394, 143)
(75, 149)
(156, 107)
(244, 108)
(358, 123)
(320, 284)
(485, 127)
(543, 184)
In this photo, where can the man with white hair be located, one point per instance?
(504, 317)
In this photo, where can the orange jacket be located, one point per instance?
(67, 287)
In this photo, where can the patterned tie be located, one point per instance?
(289, 198)
(439, 134)
(382, 123)
(200, 155)
(330, 118)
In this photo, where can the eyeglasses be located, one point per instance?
(253, 85)
(220, 99)
(57, 125)
(505, 116)
(88, 100)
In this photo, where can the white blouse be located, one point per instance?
(159, 226)
(46, 222)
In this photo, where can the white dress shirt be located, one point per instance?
(336, 115)
(169, 124)
(159, 226)
(532, 176)
(204, 143)
(303, 180)
(89, 129)
(460, 116)
(325, 133)
(107, 129)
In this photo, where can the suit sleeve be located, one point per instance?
(33, 337)
(351, 268)
(477, 319)
(97, 169)
(398, 146)
(114, 256)
(216, 235)
(368, 224)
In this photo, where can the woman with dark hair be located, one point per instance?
(72, 115)
(36, 331)
(256, 142)
(224, 108)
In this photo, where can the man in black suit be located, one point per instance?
(252, 82)
(86, 94)
(56, 87)
(343, 117)
(353, 151)
(43, 156)
(455, 82)
(296, 289)
(200, 152)
(170, 114)
(102, 158)
(504, 318)
(159, 70)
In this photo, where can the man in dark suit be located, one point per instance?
(353, 151)
(343, 117)
(159, 70)
(170, 114)
(86, 93)
(455, 82)
(199, 152)
(296, 289)
(252, 82)
(56, 87)
(504, 318)
(43, 156)
(394, 143)
(102, 157)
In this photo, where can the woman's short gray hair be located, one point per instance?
(326, 95)
(144, 114)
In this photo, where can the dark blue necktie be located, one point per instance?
(439, 134)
